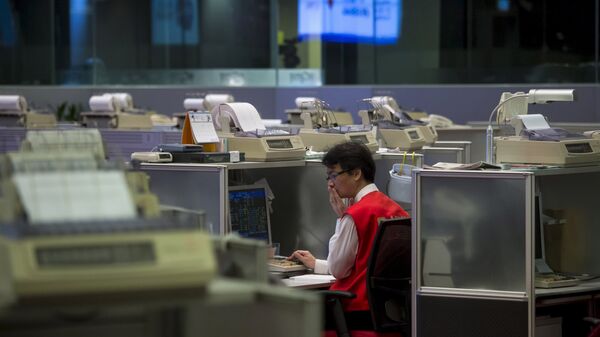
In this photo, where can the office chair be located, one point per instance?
(388, 284)
(595, 326)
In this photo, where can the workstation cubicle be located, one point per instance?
(301, 216)
(477, 257)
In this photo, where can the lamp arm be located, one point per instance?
(501, 103)
(489, 132)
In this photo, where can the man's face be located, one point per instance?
(341, 180)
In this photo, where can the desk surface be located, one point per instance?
(583, 287)
(309, 281)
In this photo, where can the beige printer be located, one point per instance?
(115, 110)
(535, 142)
(540, 144)
(14, 113)
(240, 127)
(390, 134)
(309, 104)
(321, 132)
(97, 231)
(390, 118)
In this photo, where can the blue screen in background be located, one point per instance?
(360, 21)
(248, 213)
(174, 22)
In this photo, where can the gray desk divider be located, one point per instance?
(472, 254)
(465, 145)
(302, 216)
(434, 155)
(474, 247)
(196, 187)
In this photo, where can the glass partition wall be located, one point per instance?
(297, 42)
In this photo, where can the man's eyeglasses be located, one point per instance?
(333, 175)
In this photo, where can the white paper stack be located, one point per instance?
(534, 122)
(13, 103)
(51, 197)
(244, 115)
(88, 140)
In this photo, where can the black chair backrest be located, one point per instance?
(389, 276)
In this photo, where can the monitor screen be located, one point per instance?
(249, 213)
(367, 21)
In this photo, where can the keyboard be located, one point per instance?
(552, 280)
(283, 265)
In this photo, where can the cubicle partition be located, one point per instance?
(474, 134)
(301, 215)
(472, 265)
(194, 187)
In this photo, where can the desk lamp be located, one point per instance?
(516, 104)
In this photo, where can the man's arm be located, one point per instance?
(343, 247)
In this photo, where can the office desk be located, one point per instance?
(591, 287)
(225, 308)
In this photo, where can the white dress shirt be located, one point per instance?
(343, 245)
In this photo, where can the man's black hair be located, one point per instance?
(351, 155)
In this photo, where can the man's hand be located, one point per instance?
(337, 204)
(305, 257)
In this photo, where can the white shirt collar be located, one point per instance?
(364, 191)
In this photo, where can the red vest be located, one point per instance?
(365, 214)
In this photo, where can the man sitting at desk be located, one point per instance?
(350, 174)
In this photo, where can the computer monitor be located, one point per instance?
(249, 212)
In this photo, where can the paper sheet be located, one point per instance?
(534, 122)
(203, 129)
(51, 197)
(244, 115)
(314, 278)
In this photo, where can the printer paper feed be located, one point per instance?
(104, 103)
(244, 115)
(54, 197)
(88, 140)
(213, 100)
(306, 102)
(194, 104)
(203, 129)
(122, 100)
(13, 103)
(534, 122)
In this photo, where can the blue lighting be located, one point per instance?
(7, 25)
(503, 5)
(174, 22)
(359, 21)
(78, 16)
